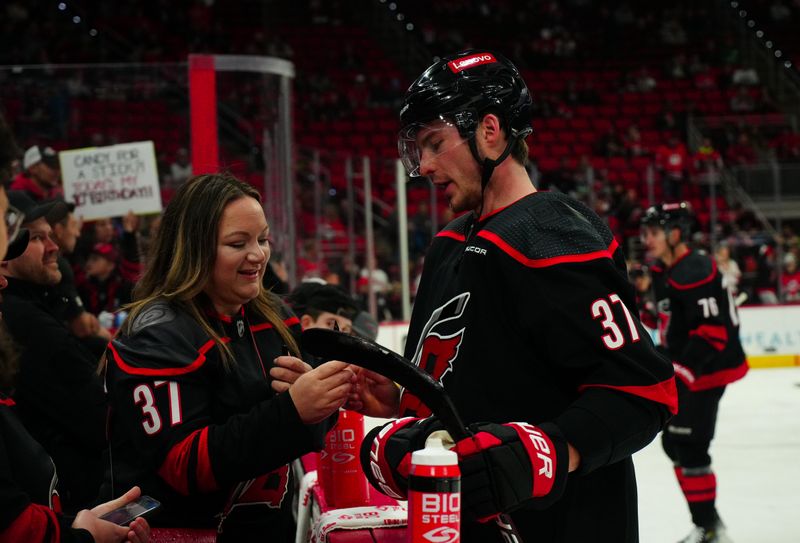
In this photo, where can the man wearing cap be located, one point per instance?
(59, 395)
(41, 178)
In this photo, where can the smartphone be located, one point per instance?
(125, 514)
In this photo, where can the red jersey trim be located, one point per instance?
(34, 523)
(697, 283)
(665, 392)
(547, 262)
(206, 482)
(291, 321)
(712, 380)
(714, 334)
(7, 401)
(450, 234)
(175, 469)
(195, 365)
(684, 255)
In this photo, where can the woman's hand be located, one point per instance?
(107, 532)
(286, 371)
(318, 393)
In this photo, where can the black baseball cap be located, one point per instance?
(322, 297)
(18, 245)
(52, 210)
(365, 325)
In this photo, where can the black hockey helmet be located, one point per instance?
(669, 216)
(459, 89)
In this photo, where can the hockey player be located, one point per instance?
(206, 412)
(699, 327)
(525, 315)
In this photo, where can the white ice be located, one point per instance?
(756, 457)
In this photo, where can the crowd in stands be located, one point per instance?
(600, 135)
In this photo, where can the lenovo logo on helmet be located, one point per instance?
(462, 64)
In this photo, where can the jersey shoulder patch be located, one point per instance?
(547, 228)
(159, 312)
(693, 270)
(162, 338)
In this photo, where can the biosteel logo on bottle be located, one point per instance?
(470, 62)
(434, 495)
(344, 483)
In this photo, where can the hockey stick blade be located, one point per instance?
(332, 345)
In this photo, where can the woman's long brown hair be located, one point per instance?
(182, 256)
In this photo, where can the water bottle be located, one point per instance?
(434, 495)
(343, 482)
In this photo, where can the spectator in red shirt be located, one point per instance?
(790, 280)
(106, 281)
(40, 178)
(672, 162)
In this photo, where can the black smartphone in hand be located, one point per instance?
(128, 512)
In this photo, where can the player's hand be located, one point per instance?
(107, 532)
(286, 371)
(374, 394)
(504, 466)
(318, 393)
(386, 453)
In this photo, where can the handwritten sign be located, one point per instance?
(110, 181)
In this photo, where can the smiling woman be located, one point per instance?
(208, 411)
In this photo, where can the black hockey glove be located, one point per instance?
(506, 466)
(386, 453)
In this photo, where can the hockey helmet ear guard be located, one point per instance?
(431, 139)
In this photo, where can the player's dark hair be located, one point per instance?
(182, 255)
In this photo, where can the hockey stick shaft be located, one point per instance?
(333, 345)
(330, 344)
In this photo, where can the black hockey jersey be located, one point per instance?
(203, 440)
(527, 315)
(698, 323)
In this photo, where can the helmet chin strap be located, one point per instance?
(487, 164)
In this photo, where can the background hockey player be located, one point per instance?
(525, 315)
(699, 327)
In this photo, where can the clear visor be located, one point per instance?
(424, 141)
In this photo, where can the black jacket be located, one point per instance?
(59, 395)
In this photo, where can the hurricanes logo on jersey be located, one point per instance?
(437, 350)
